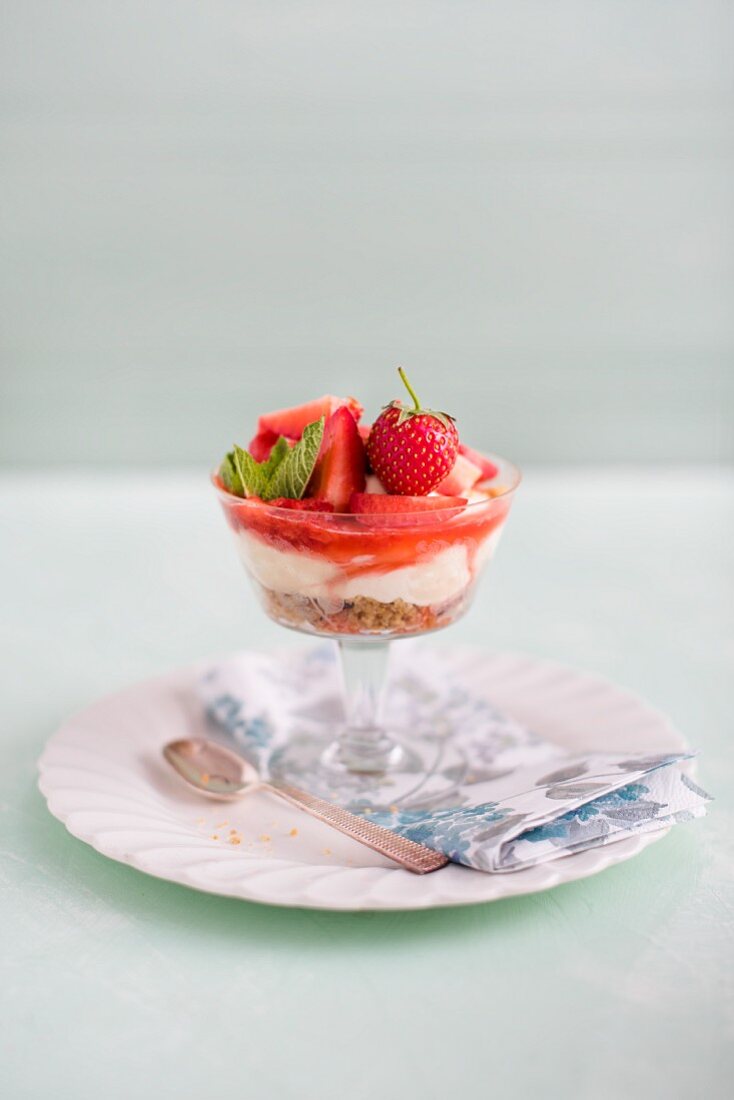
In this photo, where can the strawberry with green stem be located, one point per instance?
(413, 449)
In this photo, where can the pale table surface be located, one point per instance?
(115, 984)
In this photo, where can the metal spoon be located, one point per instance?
(218, 772)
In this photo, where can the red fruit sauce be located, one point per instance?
(387, 542)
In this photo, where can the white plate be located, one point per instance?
(103, 776)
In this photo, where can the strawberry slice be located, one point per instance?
(464, 474)
(308, 504)
(291, 422)
(340, 467)
(262, 444)
(383, 504)
(487, 467)
(385, 511)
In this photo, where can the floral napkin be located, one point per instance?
(518, 800)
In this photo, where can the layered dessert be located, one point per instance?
(349, 528)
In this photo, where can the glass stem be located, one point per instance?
(364, 745)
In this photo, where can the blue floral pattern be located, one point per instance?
(450, 831)
(228, 711)
(521, 800)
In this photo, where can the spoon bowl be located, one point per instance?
(211, 768)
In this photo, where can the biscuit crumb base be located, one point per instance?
(361, 615)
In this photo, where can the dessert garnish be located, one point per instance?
(318, 457)
(412, 450)
(340, 470)
(388, 505)
(284, 473)
(486, 467)
(290, 423)
(394, 512)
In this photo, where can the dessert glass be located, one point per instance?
(366, 580)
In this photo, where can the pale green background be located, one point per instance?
(211, 208)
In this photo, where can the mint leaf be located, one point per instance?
(286, 472)
(251, 474)
(230, 477)
(294, 471)
(278, 453)
(241, 474)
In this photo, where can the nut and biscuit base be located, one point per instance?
(360, 615)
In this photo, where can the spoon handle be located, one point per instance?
(413, 856)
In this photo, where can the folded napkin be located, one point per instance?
(520, 800)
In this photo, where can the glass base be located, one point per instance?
(398, 771)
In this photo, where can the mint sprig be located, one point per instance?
(278, 453)
(230, 475)
(286, 472)
(252, 474)
(294, 473)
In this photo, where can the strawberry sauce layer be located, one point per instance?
(360, 544)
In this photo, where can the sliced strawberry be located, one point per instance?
(291, 422)
(307, 504)
(463, 475)
(262, 444)
(381, 503)
(487, 467)
(340, 468)
(383, 510)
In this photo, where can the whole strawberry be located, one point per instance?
(412, 450)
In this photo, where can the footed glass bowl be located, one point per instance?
(366, 580)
